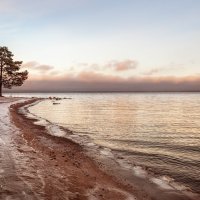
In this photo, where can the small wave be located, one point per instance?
(162, 163)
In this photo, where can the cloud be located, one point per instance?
(90, 80)
(93, 66)
(35, 66)
(44, 68)
(90, 76)
(31, 64)
(114, 65)
(152, 71)
(98, 82)
(123, 65)
(170, 67)
(54, 73)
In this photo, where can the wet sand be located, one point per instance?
(36, 165)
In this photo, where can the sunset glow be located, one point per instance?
(90, 45)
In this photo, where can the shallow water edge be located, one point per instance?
(114, 163)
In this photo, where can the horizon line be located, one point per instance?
(170, 91)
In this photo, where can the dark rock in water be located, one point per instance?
(54, 103)
(55, 98)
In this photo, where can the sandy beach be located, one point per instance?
(36, 165)
(99, 100)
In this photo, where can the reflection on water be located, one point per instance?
(160, 131)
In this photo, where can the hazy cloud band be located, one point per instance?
(100, 83)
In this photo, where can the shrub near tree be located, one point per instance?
(9, 70)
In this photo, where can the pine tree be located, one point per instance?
(9, 70)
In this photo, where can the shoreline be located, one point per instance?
(80, 176)
(88, 179)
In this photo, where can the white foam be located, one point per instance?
(41, 122)
(91, 192)
(167, 179)
(178, 186)
(53, 129)
(90, 144)
(138, 171)
(106, 152)
(56, 131)
(168, 183)
(161, 183)
(124, 165)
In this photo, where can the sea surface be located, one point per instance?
(159, 131)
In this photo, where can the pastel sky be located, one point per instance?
(97, 45)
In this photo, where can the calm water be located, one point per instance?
(158, 130)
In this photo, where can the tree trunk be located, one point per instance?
(0, 89)
(1, 77)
